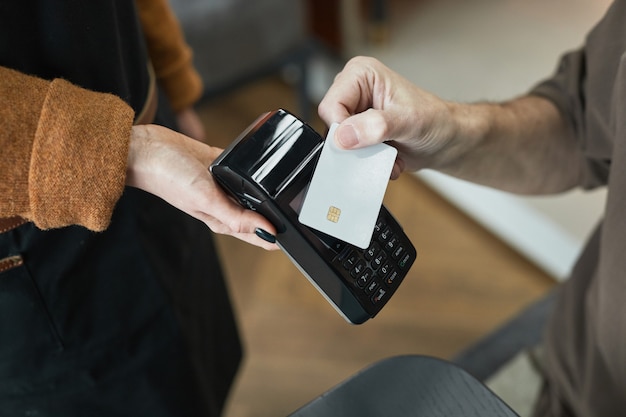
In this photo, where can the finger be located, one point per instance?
(252, 238)
(353, 90)
(363, 129)
(241, 223)
(331, 109)
(398, 168)
(220, 228)
(249, 221)
(256, 241)
(349, 94)
(228, 217)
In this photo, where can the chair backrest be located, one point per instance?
(408, 386)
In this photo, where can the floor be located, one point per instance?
(465, 281)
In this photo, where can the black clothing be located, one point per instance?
(97, 44)
(133, 321)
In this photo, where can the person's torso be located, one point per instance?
(587, 337)
(96, 44)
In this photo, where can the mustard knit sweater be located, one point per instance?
(64, 149)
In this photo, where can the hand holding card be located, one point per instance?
(347, 190)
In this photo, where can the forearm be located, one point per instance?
(521, 146)
(169, 53)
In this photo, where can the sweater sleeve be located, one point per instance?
(170, 55)
(64, 151)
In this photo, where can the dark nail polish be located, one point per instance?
(267, 236)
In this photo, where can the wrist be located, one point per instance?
(468, 127)
(139, 138)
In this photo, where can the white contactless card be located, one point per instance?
(347, 190)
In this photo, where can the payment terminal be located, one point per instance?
(267, 169)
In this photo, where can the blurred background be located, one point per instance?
(484, 256)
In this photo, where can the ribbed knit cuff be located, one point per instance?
(79, 157)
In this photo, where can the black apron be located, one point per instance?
(133, 321)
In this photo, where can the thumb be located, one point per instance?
(363, 129)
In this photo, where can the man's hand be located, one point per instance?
(522, 145)
(375, 104)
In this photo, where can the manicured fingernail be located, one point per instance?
(265, 235)
(346, 136)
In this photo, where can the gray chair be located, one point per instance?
(417, 386)
(523, 332)
(408, 386)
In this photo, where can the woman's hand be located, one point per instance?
(174, 167)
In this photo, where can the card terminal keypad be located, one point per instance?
(377, 271)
